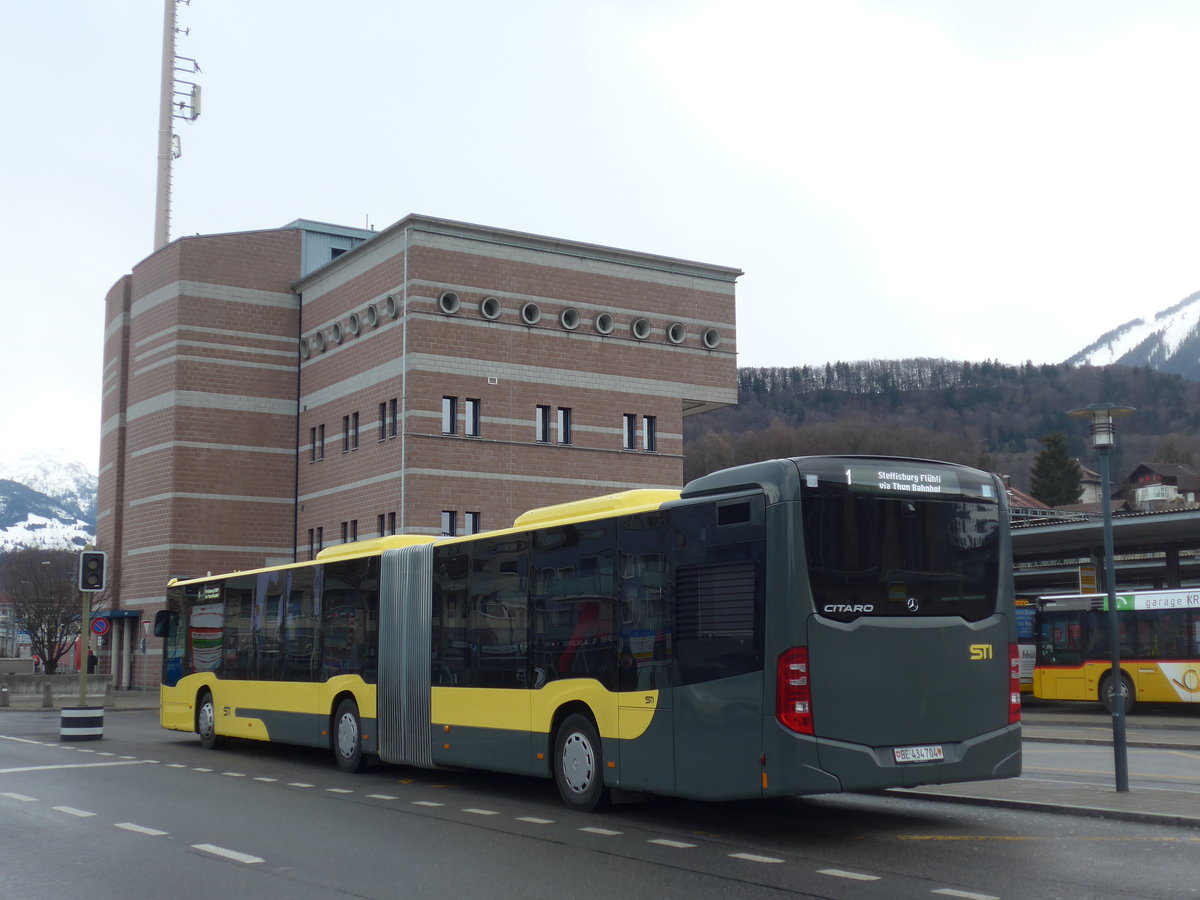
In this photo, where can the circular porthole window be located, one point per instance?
(353, 325)
(371, 314)
(489, 308)
(531, 313)
(318, 341)
(391, 307)
(449, 303)
(640, 329)
(305, 351)
(604, 323)
(711, 338)
(677, 333)
(336, 332)
(569, 318)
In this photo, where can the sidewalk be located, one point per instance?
(1085, 724)
(137, 698)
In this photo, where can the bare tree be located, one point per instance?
(42, 583)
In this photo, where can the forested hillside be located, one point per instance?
(984, 414)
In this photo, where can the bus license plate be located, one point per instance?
(930, 753)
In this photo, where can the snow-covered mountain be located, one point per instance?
(46, 499)
(1169, 343)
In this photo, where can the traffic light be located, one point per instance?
(92, 564)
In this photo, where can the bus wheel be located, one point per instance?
(1125, 689)
(206, 722)
(577, 765)
(347, 737)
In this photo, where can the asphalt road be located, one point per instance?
(150, 813)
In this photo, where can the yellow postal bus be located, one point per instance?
(1159, 638)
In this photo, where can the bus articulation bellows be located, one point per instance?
(794, 626)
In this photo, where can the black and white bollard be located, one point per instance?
(81, 723)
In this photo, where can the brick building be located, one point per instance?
(270, 393)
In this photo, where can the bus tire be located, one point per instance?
(578, 765)
(347, 737)
(206, 722)
(1106, 693)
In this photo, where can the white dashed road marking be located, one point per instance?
(140, 829)
(679, 845)
(72, 811)
(227, 853)
(754, 857)
(841, 873)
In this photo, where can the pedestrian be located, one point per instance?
(92, 662)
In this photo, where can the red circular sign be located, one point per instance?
(99, 626)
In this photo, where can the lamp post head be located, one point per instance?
(1104, 434)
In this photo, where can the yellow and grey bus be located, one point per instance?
(1158, 639)
(794, 626)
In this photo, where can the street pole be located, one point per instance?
(1120, 755)
(1104, 435)
(84, 633)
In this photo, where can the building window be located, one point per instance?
(542, 425)
(379, 524)
(391, 523)
(449, 523)
(312, 444)
(354, 431)
(471, 523)
(345, 434)
(321, 441)
(449, 415)
(354, 529)
(383, 421)
(471, 416)
(345, 532)
(629, 429)
(312, 546)
(564, 424)
(320, 538)
(394, 427)
(649, 432)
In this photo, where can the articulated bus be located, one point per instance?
(1158, 639)
(795, 626)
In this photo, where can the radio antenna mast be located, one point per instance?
(178, 99)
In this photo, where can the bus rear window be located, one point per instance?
(873, 555)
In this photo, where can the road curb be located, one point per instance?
(1091, 812)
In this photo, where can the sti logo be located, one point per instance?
(980, 651)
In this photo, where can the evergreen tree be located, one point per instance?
(1055, 477)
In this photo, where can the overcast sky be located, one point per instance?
(946, 178)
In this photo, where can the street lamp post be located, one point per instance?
(1103, 438)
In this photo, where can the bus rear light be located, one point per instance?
(793, 693)
(1014, 684)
